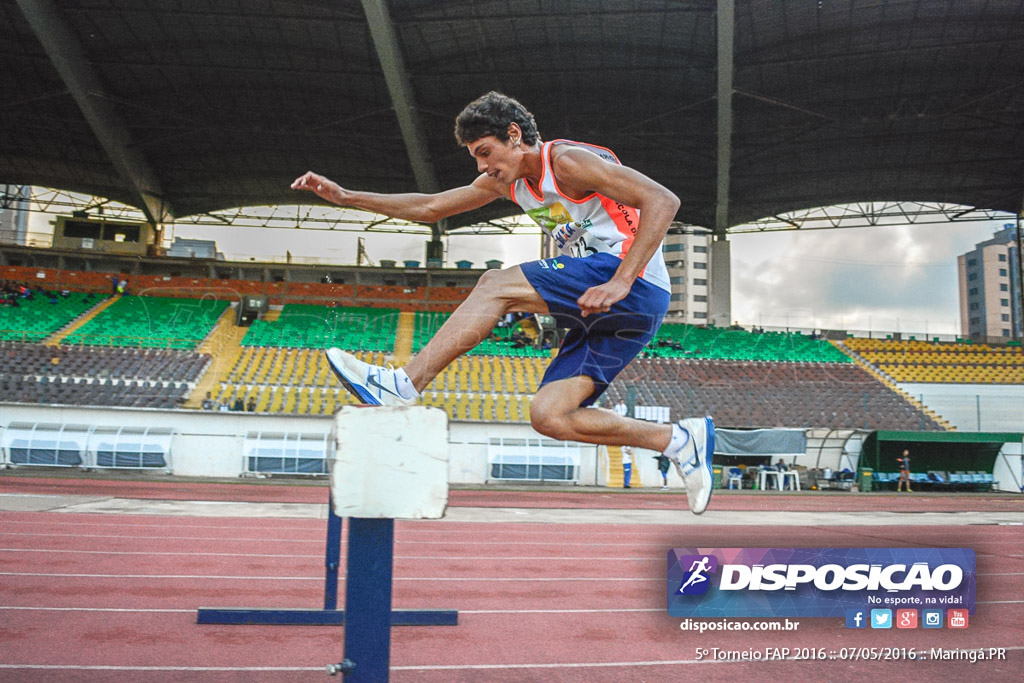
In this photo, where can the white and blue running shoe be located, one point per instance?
(371, 384)
(693, 461)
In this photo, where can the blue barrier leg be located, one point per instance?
(368, 599)
(333, 557)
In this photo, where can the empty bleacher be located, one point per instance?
(79, 375)
(151, 322)
(690, 341)
(35, 319)
(499, 343)
(318, 327)
(766, 394)
(916, 361)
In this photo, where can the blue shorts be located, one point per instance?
(602, 344)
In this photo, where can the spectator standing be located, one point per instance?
(627, 466)
(620, 408)
(903, 463)
(663, 463)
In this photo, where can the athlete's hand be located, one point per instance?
(318, 184)
(601, 298)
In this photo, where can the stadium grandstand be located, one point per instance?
(54, 349)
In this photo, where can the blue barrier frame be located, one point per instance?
(370, 544)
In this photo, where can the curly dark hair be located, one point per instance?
(491, 114)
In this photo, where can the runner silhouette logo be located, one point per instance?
(696, 580)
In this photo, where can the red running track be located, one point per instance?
(113, 598)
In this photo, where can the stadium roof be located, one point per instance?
(196, 105)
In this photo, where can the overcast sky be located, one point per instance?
(883, 278)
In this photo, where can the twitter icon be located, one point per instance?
(881, 618)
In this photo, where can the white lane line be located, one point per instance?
(83, 667)
(319, 541)
(148, 610)
(595, 610)
(413, 667)
(449, 529)
(502, 558)
(314, 578)
(599, 665)
(144, 610)
(344, 541)
(449, 579)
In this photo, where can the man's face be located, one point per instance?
(498, 159)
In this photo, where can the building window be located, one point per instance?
(674, 247)
(971, 262)
(678, 297)
(700, 298)
(974, 306)
(972, 277)
(700, 314)
(677, 280)
(1004, 302)
(975, 322)
(700, 265)
(1006, 333)
(1002, 272)
(1002, 257)
(1004, 287)
(700, 281)
(700, 250)
(973, 291)
(1006, 317)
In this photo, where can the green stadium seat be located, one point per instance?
(676, 340)
(151, 322)
(320, 327)
(33, 320)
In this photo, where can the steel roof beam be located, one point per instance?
(85, 86)
(385, 40)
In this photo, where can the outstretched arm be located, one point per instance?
(582, 172)
(412, 206)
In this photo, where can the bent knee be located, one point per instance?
(551, 424)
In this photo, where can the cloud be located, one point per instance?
(882, 278)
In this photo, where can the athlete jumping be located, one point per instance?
(610, 288)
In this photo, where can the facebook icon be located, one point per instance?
(856, 618)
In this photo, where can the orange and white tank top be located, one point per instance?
(592, 225)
